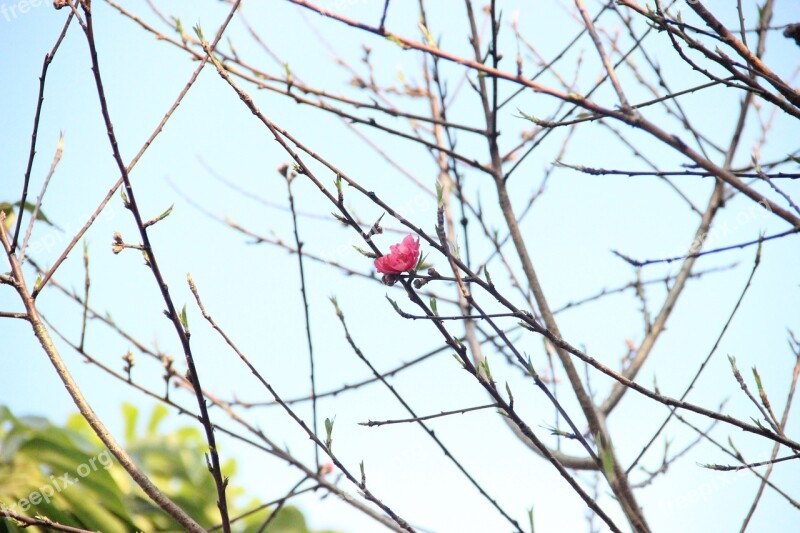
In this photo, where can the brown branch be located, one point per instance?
(40, 198)
(631, 118)
(40, 521)
(150, 258)
(776, 448)
(48, 58)
(374, 423)
(738, 246)
(306, 315)
(281, 137)
(705, 362)
(360, 354)
(312, 435)
(268, 446)
(753, 61)
(83, 406)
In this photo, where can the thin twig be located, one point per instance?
(704, 364)
(373, 423)
(299, 247)
(366, 492)
(48, 58)
(23, 521)
(408, 408)
(40, 198)
(149, 488)
(739, 246)
(181, 329)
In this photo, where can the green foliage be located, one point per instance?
(68, 476)
(11, 214)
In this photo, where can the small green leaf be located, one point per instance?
(159, 413)
(758, 381)
(164, 215)
(607, 460)
(531, 118)
(199, 32)
(395, 306)
(183, 319)
(530, 518)
(455, 249)
(484, 365)
(130, 415)
(434, 307)
(427, 34)
(329, 432)
(335, 303)
(364, 252)
(531, 371)
(396, 40)
(180, 30)
(11, 216)
(559, 433)
(421, 264)
(439, 195)
(30, 208)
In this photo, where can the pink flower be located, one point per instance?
(402, 258)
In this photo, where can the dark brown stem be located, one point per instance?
(172, 313)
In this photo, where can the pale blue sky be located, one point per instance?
(253, 291)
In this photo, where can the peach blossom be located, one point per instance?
(403, 257)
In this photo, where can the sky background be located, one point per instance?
(253, 290)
